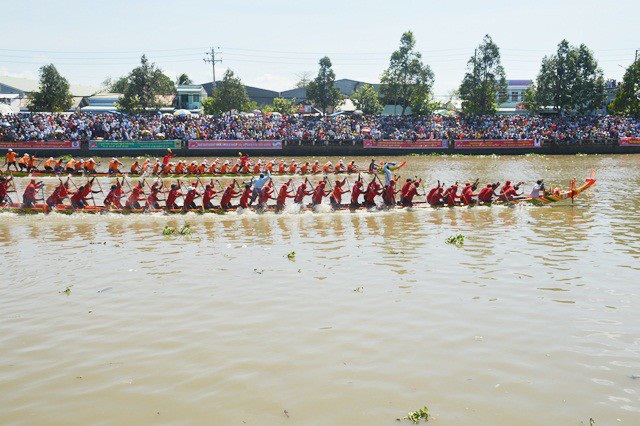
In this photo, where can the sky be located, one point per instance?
(269, 44)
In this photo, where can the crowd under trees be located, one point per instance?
(569, 82)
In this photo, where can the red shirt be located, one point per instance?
(244, 198)
(318, 194)
(191, 195)
(356, 192)
(337, 194)
(283, 194)
(411, 192)
(207, 196)
(228, 195)
(172, 196)
(301, 193)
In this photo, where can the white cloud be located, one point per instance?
(4, 71)
(273, 82)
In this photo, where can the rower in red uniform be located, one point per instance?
(136, 195)
(509, 192)
(283, 194)
(356, 192)
(172, 196)
(79, 198)
(189, 198)
(407, 199)
(4, 190)
(302, 192)
(207, 197)
(59, 194)
(336, 195)
(373, 190)
(152, 198)
(114, 196)
(404, 189)
(319, 193)
(389, 194)
(487, 193)
(435, 196)
(245, 197)
(229, 193)
(29, 196)
(451, 195)
(466, 197)
(266, 193)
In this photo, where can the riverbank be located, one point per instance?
(340, 149)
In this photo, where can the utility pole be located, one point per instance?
(211, 58)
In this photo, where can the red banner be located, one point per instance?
(629, 141)
(40, 145)
(497, 143)
(235, 144)
(392, 143)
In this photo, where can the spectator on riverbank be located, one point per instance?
(83, 127)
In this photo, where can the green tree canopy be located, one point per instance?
(484, 84)
(627, 99)
(183, 79)
(229, 94)
(53, 94)
(142, 87)
(366, 99)
(284, 106)
(568, 81)
(321, 91)
(407, 81)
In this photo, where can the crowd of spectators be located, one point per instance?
(83, 127)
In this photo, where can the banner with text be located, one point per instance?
(173, 144)
(40, 145)
(400, 144)
(497, 143)
(629, 141)
(234, 144)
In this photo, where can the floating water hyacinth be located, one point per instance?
(416, 416)
(457, 240)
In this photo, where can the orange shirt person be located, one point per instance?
(49, 164)
(293, 167)
(11, 159)
(70, 167)
(90, 166)
(327, 167)
(114, 166)
(315, 168)
(281, 167)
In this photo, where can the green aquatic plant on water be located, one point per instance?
(67, 290)
(416, 416)
(185, 230)
(457, 240)
(292, 256)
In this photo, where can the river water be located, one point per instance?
(533, 321)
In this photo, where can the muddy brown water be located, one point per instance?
(534, 320)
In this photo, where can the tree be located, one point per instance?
(627, 99)
(53, 94)
(142, 87)
(284, 106)
(183, 79)
(366, 99)
(568, 81)
(230, 94)
(304, 78)
(321, 91)
(407, 81)
(484, 84)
